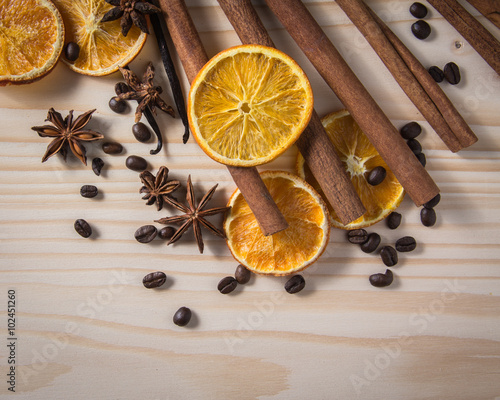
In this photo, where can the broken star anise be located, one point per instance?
(131, 13)
(194, 215)
(144, 92)
(158, 188)
(67, 133)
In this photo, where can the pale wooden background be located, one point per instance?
(88, 329)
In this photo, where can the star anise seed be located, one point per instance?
(131, 13)
(158, 188)
(195, 216)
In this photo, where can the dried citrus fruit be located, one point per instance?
(103, 48)
(287, 251)
(31, 40)
(359, 156)
(249, 104)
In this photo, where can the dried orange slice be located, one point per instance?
(359, 156)
(31, 40)
(287, 251)
(102, 46)
(249, 104)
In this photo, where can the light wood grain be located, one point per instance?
(88, 329)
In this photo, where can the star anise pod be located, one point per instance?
(194, 215)
(144, 92)
(131, 13)
(158, 188)
(67, 133)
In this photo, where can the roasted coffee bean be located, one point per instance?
(389, 256)
(89, 191)
(71, 51)
(227, 285)
(405, 244)
(393, 220)
(97, 165)
(118, 106)
(376, 176)
(436, 73)
(382, 280)
(421, 29)
(166, 233)
(411, 130)
(421, 158)
(112, 147)
(357, 236)
(83, 228)
(433, 202)
(452, 73)
(145, 234)
(121, 87)
(371, 243)
(418, 10)
(428, 216)
(414, 146)
(141, 132)
(154, 280)
(182, 316)
(136, 163)
(242, 275)
(295, 284)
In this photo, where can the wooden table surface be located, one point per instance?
(86, 327)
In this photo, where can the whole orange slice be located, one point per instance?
(249, 104)
(288, 251)
(31, 40)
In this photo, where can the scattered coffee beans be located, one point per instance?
(136, 163)
(428, 216)
(371, 243)
(422, 159)
(121, 87)
(145, 234)
(452, 73)
(436, 73)
(118, 106)
(393, 220)
(411, 130)
(405, 244)
(389, 256)
(97, 165)
(376, 176)
(71, 51)
(166, 233)
(421, 29)
(382, 280)
(418, 10)
(227, 285)
(83, 228)
(357, 236)
(154, 279)
(242, 275)
(433, 202)
(414, 146)
(141, 132)
(182, 316)
(112, 148)
(88, 191)
(295, 284)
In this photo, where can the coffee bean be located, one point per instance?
(71, 51)
(136, 163)
(121, 87)
(405, 244)
(118, 106)
(382, 280)
(83, 228)
(389, 256)
(166, 233)
(414, 146)
(154, 279)
(411, 130)
(227, 285)
(452, 73)
(371, 243)
(145, 234)
(421, 29)
(182, 316)
(433, 202)
(97, 165)
(418, 10)
(141, 132)
(428, 216)
(357, 236)
(376, 176)
(242, 275)
(393, 220)
(112, 148)
(421, 158)
(436, 73)
(295, 284)
(88, 191)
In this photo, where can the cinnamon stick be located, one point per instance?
(193, 57)
(489, 8)
(469, 27)
(314, 145)
(383, 135)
